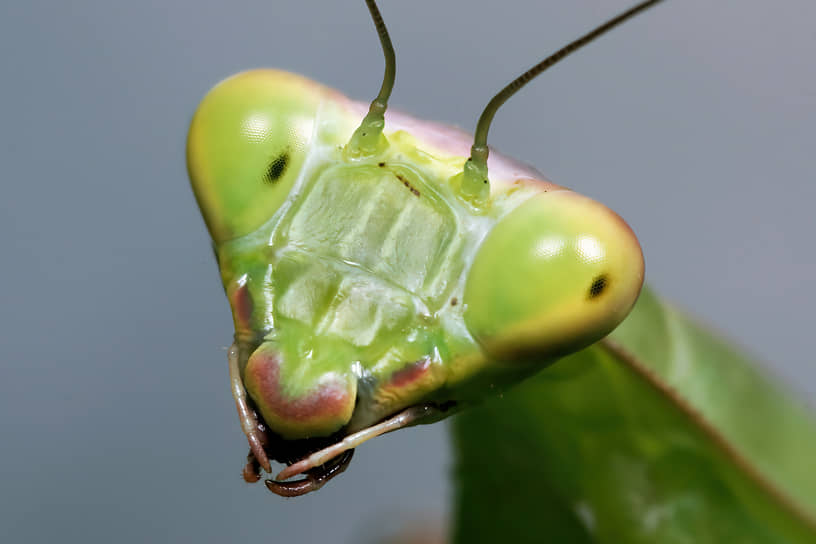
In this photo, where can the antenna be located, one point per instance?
(475, 186)
(368, 139)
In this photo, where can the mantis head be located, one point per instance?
(374, 284)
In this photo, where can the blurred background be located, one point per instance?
(695, 122)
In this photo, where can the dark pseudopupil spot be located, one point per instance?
(598, 286)
(276, 168)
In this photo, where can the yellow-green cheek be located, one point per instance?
(556, 274)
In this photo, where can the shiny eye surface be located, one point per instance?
(246, 146)
(558, 273)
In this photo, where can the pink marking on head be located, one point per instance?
(327, 402)
(410, 373)
(242, 307)
(454, 141)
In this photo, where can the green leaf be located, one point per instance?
(661, 433)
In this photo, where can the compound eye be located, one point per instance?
(246, 146)
(555, 275)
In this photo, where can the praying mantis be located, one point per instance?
(379, 278)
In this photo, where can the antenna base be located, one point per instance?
(368, 140)
(472, 185)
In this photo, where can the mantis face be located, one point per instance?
(365, 288)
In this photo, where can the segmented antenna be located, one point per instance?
(475, 187)
(368, 139)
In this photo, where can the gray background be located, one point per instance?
(695, 122)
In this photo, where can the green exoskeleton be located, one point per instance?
(382, 274)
